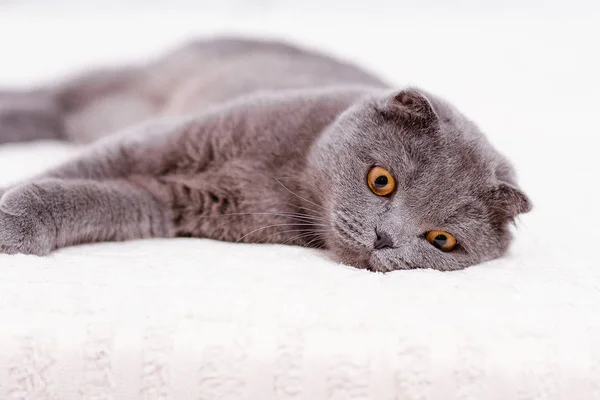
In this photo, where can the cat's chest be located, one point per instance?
(240, 204)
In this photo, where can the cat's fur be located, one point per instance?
(258, 142)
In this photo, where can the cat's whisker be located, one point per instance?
(300, 197)
(309, 244)
(273, 226)
(303, 232)
(306, 216)
(289, 215)
(262, 240)
(315, 233)
(312, 185)
(314, 214)
(319, 213)
(292, 239)
(315, 220)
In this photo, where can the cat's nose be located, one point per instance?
(383, 241)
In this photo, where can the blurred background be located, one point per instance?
(525, 70)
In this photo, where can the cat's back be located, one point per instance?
(207, 72)
(194, 77)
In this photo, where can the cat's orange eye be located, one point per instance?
(441, 240)
(381, 181)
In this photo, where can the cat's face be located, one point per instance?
(409, 182)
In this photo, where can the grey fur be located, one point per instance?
(258, 142)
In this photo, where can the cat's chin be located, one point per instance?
(371, 261)
(383, 264)
(364, 258)
(350, 257)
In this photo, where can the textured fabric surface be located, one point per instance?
(196, 319)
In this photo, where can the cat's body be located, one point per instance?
(258, 142)
(186, 81)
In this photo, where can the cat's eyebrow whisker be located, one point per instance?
(298, 196)
(272, 226)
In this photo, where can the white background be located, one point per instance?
(373, 6)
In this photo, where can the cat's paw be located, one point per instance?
(23, 224)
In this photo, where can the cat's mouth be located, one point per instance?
(354, 249)
(358, 254)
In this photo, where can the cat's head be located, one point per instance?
(409, 182)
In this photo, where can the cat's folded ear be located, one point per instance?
(412, 104)
(510, 201)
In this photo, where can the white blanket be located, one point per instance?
(197, 319)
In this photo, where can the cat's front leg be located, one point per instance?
(43, 215)
(25, 233)
(112, 191)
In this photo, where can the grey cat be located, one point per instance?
(260, 142)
